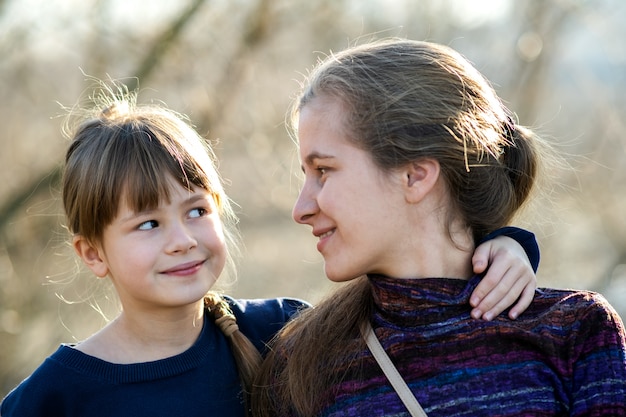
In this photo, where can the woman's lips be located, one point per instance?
(323, 239)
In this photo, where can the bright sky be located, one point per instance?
(467, 13)
(475, 12)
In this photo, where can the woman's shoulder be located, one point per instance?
(582, 300)
(577, 307)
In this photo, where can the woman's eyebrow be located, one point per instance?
(312, 157)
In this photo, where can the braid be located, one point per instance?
(246, 355)
(221, 313)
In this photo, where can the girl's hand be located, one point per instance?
(510, 278)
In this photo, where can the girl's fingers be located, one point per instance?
(515, 286)
(524, 301)
(509, 279)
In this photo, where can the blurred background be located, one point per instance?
(233, 66)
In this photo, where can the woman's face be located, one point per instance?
(357, 212)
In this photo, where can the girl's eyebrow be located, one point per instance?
(134, 214)
(193, 198)
(197, 196)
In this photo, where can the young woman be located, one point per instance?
(147, 210)
(409, 160)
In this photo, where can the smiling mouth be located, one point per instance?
(185, 269)
(326, 234)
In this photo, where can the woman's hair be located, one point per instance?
(407, 100)
(404, 101)
(122, 152)
(298, 371)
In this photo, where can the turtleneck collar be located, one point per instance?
(419, 302)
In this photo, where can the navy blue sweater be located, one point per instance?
(202, 381)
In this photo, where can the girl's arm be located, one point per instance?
(512, 255)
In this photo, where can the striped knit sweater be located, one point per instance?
(565, 356)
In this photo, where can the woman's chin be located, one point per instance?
(339, 276)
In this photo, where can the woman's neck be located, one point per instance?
(429, 246)
(436, 256)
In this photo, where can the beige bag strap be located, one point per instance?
(407, 397)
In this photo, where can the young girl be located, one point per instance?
(147, 210)
(409, 159)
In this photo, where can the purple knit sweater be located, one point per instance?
(565, 356)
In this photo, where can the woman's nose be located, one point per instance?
(305, 206)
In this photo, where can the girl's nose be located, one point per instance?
(181, 239)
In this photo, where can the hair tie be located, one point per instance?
(509, 130)
(222, 314)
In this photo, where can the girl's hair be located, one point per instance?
(404, 100)
(125, 152)
(246, 355)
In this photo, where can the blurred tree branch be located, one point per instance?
(545, 20)
(146, 67)
(10, 208)
(257, 29)
(163, 43)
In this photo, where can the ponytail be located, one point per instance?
(247, 357)
(520, 159)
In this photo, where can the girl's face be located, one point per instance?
(166, 257)
(357, 211)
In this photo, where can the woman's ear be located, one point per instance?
(421, 177)
(90, 255)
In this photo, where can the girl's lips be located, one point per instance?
(185, 269)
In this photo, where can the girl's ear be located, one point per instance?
(421, 177)
(90, 255)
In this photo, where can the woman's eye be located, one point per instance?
(150, 224)
(322, 170)
(197, 212)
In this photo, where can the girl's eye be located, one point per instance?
(197, 212)
(322, 170)
(150, 224)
